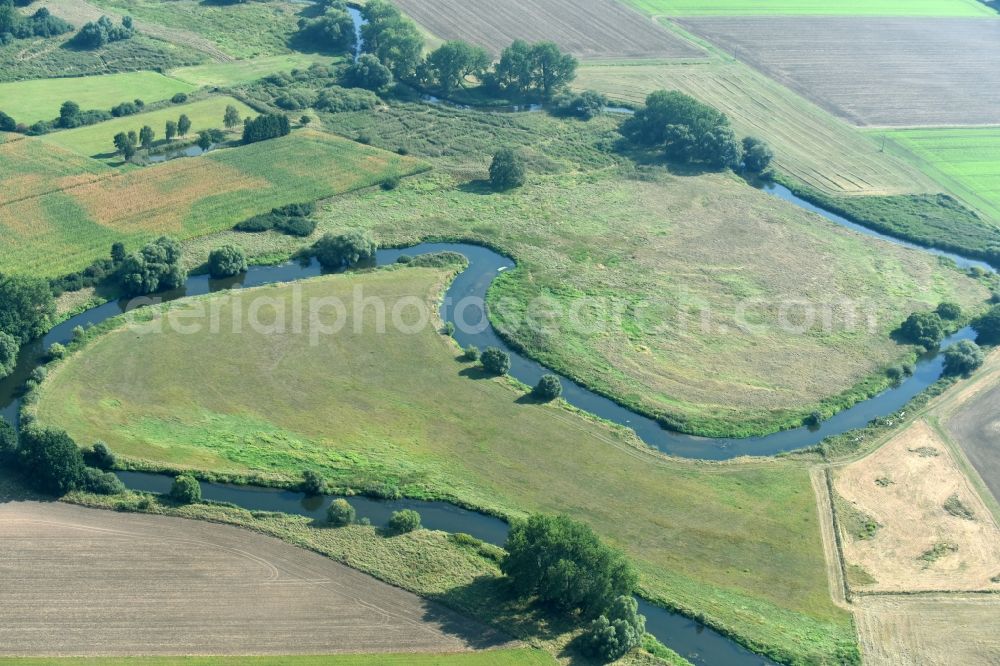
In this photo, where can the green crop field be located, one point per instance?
(30, 101)
(511, 657)
(815, 7)
(58, 228)
(965, 160)
(243, 71)
(737, 542)
(97, 140)
(30, 167)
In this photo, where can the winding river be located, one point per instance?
(699, 644)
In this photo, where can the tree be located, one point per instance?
(471, 353)
(69, 115)
(101, 482)
(564, 564)
(757, 155)
(232, 117)
(185, 490)
(204, 140)
(548, 388)
(124, 145)
(312, 483)
(923, 328)
(266, 126)
(183, 124)
(453, 62)
(514, 70)
(507, 170)
(341, 513)
(338, 251)
(987, 327)
(616, 631)
(495, 361)
(587, 105)
(8, 443)
(9, 347)
(392, 38)
(51, 459)
(331, 32)
(26, 306)
(368, 72)
(7, 124)
(962, 358)
(118, 253)
(719, 148)
(949, 311)
(403, 521)
(226, 261)
(101, 456)
(170, 131)
(155, 267)
(96, 34)
(146, 136)
(553, 69)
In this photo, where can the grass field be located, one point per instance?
(814, 7)
(97, 140)
(595, 29)
(30, 168)
(503, 657)
(397, 407)
(244, 71)
(964, 160)
(809, 143)
(242, 30)
(30, 101)
(924, 76)
(73, 223)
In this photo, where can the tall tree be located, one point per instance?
(183, 124)
(146, 136)
(394, 39)
(553, 69)
(231, 118)
(26, 306)
(170, 131)
(453, 62)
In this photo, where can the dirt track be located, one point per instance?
(77, 581)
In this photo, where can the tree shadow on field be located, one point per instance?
(530, 398)
(655, 159)
(14, 488)
(479, 186)
(475, 372)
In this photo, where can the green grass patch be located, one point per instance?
(74, 220)
(398, 408)
(30, 101)
(97, 140)
(957, 507)
(858, 524)
(243, 71)
(858, 576)
(243, 30)
(814, 7)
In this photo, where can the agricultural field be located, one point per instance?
(96, 141)
(30, 168)
(813, 7)
(965, 160)
(79, 581)
(972, 424)
(917, 495)
(223, 74)
(30, 101)
(931, 630)
(595, 29)
(925, 75)
(810, 145)
(498, 657)
(71, 225)
(365, 407)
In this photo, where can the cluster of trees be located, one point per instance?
(226, 261)
(53, 463)
(128, 108)
(92, 275)
(532, 70)
(26, 310)
(156, 267)
(332, 31)
(95, 34)
(292, 220)
(565, 566)
(336, 251)
(42, 23)
(266, 126)
(687, 131)
(495, 361)
(962, 358)
(923, 328)
(988, 327)
(127, 144)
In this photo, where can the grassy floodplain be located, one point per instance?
(96, 140)
(30, 101)
(814, 7)
(76, 217)
(363, 407)
(243, 71)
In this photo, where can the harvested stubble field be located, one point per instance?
(809, 144)
(592, 29)
(59, 227)
(974, 425)
(938, 630)
(904, 487)
(873, 71)
(394, 408)
(814, 7)
(78, 581)
(498, 657)
(30, 101)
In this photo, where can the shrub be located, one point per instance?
(295, 226)
(564, 564)
(101, 482)
(7, 124)
(226, 261)
(100, 456)
(449, 328)
(8, 442)
(757, 155)
(312, 483)
(154, 268)
(923, 328)
(586, 105)
(185, 490)
(51, 459)
(56, 351)
(949, 311)
(179, 98)
(9, 347)
(988, 327)
(389, 183)
(471, 354)
(406, 520)
(616, 631)
(495, 361)
(814, 419)
(368, 72)
(382, 490)
(962, 358)
(341, 513)
(507, 170)
(338, 251)
(895, 374)
(548, 388)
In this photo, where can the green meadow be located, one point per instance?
(243, 71)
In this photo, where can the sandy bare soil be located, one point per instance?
(937, 630)
(591, 29)
(77, 581)
(874, 71)
(910, 511)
